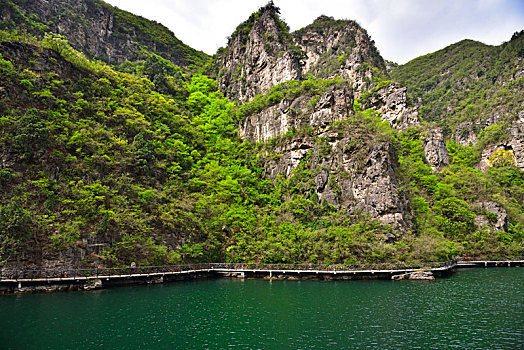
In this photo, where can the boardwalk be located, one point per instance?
(35, 280)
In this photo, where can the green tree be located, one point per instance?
(32, 136)
(15, 224)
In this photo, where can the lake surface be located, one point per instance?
(472, 309)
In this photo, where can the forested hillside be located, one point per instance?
(99, 30)
(148, 161)
(468, 86)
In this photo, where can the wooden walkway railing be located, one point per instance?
(7, 274)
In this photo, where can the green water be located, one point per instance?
(473, 309)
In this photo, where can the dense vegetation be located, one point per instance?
(105, 159)
(142, 162)
(467, 82)
(138, 36)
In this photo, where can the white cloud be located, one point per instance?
(402, 29)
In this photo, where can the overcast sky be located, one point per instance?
(402, 29)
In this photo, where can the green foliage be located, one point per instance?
(462, 155)
(60, 44)
(15, 229)
(454, 217)
(126, 28)
(501, 158)
(444, 202)
(465, 84)
(20, 20)
(32, 136)
(136, 161)
(491, 135)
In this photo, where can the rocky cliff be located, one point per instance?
(339, 48)
(337, 161)
(99, 30)
(349, 168)
(349, 75)
(262, 53)
(304, 83)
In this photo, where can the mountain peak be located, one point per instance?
(260, 54)
(267, 17)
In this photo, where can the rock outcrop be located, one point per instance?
(339, 48)
(348, 170)
(513, 144)
(391, 102)
(417, 275)
(333, 105)
(495, 217)
(359, 177)
(258, 56)
(98, 29)
(435, 149)
(262, 53)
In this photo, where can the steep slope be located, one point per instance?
(339, 48)
(474, 93)
(99, 30)
(103, 167)
(97, 168)
(466, 81)
(260, 54)
(410, 177)
(336, 73)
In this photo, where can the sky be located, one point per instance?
(401, 29)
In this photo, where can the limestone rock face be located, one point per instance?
(376, 189)
(335, 104)
(391, 102)
(435, 149)
(359, 176)
(465, 134)
(261, 54)
(514, 144)
(497, 222)
(255, 61)
(339, 48)
(360, 179)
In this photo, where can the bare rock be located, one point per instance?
(333, 105)
(252, 64)
(496, 218)
(417, 275)
(375, 190)
(343, 178)
(391, 102)
(435, 149)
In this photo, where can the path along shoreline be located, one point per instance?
(31, 281)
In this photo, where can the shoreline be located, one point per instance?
(126, 277)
